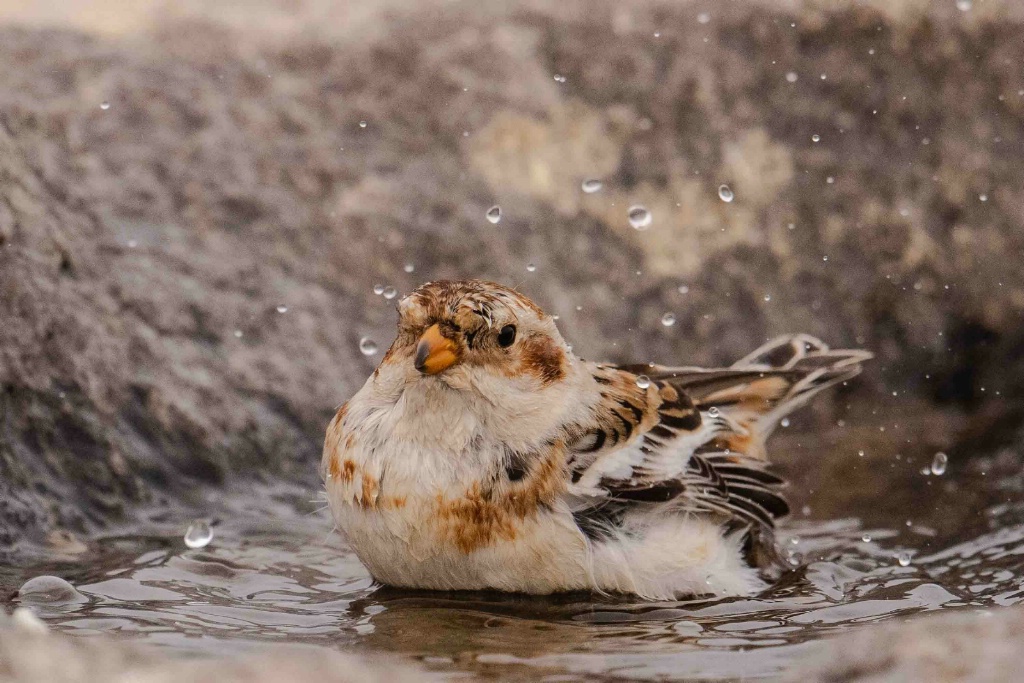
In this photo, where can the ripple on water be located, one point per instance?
(289, 578)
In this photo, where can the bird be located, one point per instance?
(483, 455)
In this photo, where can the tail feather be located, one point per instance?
(746, 401)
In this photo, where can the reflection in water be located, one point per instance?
(289, 578)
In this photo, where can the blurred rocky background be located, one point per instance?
(197, 200)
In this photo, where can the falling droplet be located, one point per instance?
(643, 381)
(104, 105)
(725, 193)
(199, 534)
(939, 463)
(860, 453)
(591, 185)
(767, 297)
(238, 334)
(784, 422)
(703, 18)
(530, 267)
(282, 309)
(132, 244)
(668, 320)
(963, 5)
(408, 267)
(362, 124)
(48, 590)
(390, 292)
(378, 289)
(815, 138)
(559, 78)
(903, 558)
(713, 411)
(830, 180)
(683, 289)
(494, 214)
(639, 217)
(983, 197)
(367, 346)
(792, 77)
(866, 538)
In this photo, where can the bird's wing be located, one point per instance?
(648, 444)
(692, 438)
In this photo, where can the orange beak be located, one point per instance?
(435, 352)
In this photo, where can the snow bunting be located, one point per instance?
(481, 454)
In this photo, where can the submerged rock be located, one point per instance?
(972, 647)
(30, 657)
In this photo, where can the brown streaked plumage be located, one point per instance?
(482, 454)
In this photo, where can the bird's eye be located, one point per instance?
(506, 336)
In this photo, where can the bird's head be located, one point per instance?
(485, 342)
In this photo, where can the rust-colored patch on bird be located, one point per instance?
(370, 490)
(347, 471)
(542, 357)
(483, 516)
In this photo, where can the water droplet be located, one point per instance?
(643, 381)
(703, 18)
(282, 309)
(860, 453)
(559, 78)
(866, 538)
(767, 297)
(795, 540)
(713, 411)
(238, 334)
(378, 289)
(367, 346)
(903, 558)
(390, 292)
(639, 217)
(939, 463)
(48, 590)
(409, 267)
(199, 534)
(668, 320)
(132, 244)
(362, 124)
(494, 214)
(530, 267)
(792, 77)
(104, 105)
(830, 180)
(983, 197)
(683, 289)
(815, 138)
(725, 193)
(591, 185)
(963, 5)
(784, 422)
(824, 258)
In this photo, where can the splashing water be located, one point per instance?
(367, 346)
(199, 534)
(639, 217)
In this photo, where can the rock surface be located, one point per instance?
(40, 657)
(162, 194)
(968, 648)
